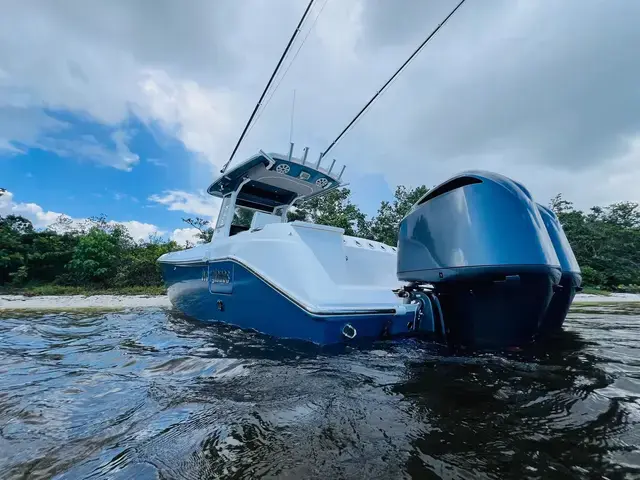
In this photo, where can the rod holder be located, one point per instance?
(319, 160)
(290, 151)
(341, 172)
(305, 152)
(332, 164)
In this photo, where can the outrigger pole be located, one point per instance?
(255, 110)
(379, 92)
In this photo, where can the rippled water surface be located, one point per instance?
(150, 394)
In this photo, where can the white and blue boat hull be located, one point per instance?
(227, 291)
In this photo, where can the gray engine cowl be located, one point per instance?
(493, 257)
(473, 223)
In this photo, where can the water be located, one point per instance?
(150, 394)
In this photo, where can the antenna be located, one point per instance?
(293, 106)
(305, 152)
(379, 92)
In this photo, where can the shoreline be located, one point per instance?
(111, 301)
(58, 302)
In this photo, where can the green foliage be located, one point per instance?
(49, 254)
(384, 226)
(139, 266)
(99, 254)
(606, 242)
(13, 251)
(242, 217)
(55, 289)
(333, 209)
(19, 277)
(95, 256)
(336, 209)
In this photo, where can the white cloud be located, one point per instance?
(197, 116)
(139, 230)
(45, 218)
(38, 216)
(87, 147)
(503, 86)
(7, 148)
(157, 162)
(183, 235)
(199, 203)
(124, 196)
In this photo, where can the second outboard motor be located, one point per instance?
(480, 241)
(571, 281)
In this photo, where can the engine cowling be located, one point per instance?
(482, 242)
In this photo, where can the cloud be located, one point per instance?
(139, 230)
(157, 162)
(183, 235)
(38, 216)
(540, 89)
(112, 61)
(195, 115)
(7, 148)
(124, 196)
(45, 218)
(22, 123)
(199, 204)
(87, 147)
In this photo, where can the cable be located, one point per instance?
(284, 54)
(287, 69)
(379, 92)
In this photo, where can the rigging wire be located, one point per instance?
(388, 82)
(284, 54)
(289, 66)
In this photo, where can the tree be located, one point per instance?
(605, 241)
(559, 205)
(385, 224)
(63, 224)
(334, 209)
(49, 254)
(18, 223)
(100, 253)
(140, 266)
(13, 252)
(205, 231)
(243, 216)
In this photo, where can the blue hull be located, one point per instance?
(225, 291)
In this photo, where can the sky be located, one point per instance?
(130, 108)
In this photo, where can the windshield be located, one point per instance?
(243, 216)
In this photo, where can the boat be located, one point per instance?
(477, 262)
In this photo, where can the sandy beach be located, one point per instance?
(56, 302)
(21, 302)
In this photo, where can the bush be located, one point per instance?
(591, 277)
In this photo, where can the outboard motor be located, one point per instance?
(479, 245)
(571, 280)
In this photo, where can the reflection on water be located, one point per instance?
(148, 394)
